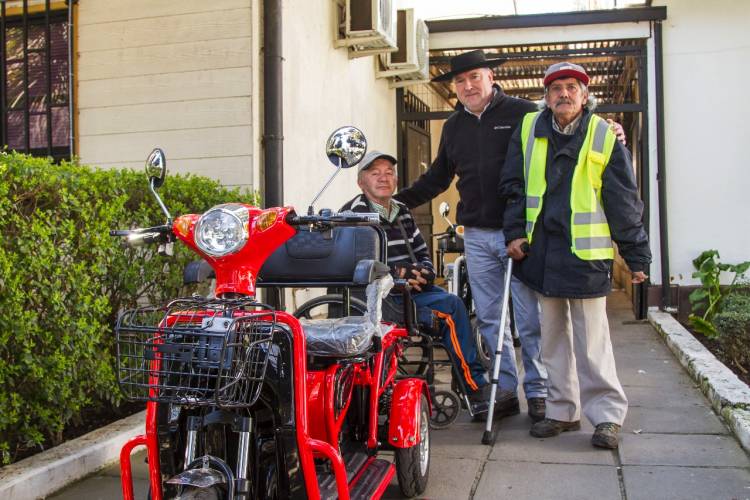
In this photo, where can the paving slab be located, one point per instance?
(450, 478)
(459, 442)
(649, 397)
(679, 483)
(682, 449)
(524, 480)
(660, 378)
(675, 420)
(567, 448)
(652, 349)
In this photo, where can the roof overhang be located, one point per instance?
(633, 14)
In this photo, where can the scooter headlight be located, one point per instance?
(222, 230)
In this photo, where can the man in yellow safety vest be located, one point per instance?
(570, 192)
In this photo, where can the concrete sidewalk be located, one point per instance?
(673, 445)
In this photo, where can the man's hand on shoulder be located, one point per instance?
(618, 130)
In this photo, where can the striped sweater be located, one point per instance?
(397, 246)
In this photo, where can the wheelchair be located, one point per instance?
(425, 350)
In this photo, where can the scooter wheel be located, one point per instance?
(445, 409)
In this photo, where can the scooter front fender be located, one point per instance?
(403, 425)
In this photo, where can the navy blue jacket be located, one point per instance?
(551, 268)
(474, 150)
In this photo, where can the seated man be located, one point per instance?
(408, 258)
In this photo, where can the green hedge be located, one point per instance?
(63, 279)
(733, 325)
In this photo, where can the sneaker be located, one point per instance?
(605, 436)
(506, 404)
(549, 427)
(537, 409)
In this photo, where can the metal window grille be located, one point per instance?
(34, 88)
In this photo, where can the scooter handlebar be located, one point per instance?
(334, 219)
(144, 236)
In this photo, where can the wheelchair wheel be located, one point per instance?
(329, 306)
(485, 357)
(445, 409)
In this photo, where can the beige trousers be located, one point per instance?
(577, 351)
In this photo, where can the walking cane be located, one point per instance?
(489, 434)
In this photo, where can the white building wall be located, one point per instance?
(174, 73)
(706, 75)
(323, 90)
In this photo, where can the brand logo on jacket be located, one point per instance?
(502, 127)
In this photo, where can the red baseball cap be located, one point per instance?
(565, 70)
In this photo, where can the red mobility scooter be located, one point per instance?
(245, 401)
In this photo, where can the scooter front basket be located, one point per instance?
(196, 352)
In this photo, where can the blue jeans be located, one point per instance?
(486, 261)
(455, 330)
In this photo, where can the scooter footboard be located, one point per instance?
(403, 425)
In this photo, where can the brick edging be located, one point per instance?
(729, 396)
(51, 470)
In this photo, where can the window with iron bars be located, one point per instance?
(34, 88)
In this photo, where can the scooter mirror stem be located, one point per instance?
(310, 209)
(158, 199)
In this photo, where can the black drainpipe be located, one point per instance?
(273, 106)
(661, 176)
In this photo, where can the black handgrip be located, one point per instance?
(340, 219)
(525, 247)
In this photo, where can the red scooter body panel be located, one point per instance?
(403, 426)
(316, 395)
(237, 272)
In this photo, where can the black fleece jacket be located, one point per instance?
(551, 268)
(473, 149)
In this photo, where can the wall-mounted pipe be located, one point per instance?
(661, 176)
(273, 129)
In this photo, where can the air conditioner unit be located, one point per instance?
(369, 27)
(406, 58)
(415, 66)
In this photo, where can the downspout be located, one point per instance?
(661, 174)
(71, 82)
(273, 131)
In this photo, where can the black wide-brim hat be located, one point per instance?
(468, 61)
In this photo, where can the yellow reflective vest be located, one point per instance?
(590, 236)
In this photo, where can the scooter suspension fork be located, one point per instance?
(193, 425)
(243, 456)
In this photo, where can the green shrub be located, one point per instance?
(63, 280)
(733, 325)
(708, 300)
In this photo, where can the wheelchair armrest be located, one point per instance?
(369, 270)
(410, 309)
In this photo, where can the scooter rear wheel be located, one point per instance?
(413, 463)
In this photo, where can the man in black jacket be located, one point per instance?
(570, 192)
(408, 258)
(473, 145)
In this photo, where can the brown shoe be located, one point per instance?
(537, 409)
(605, 436)
(549, 427)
